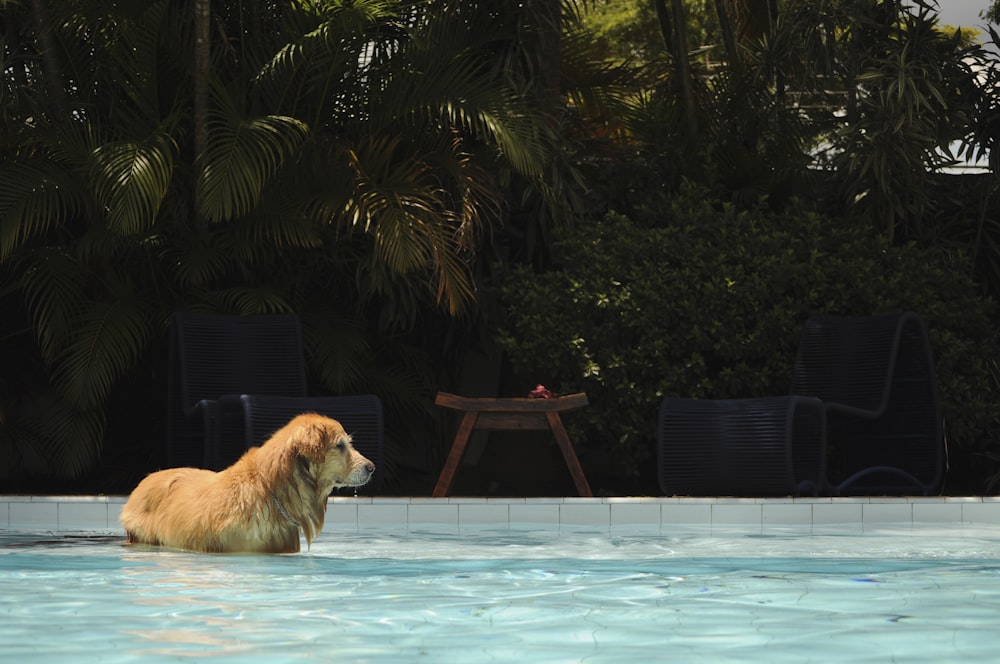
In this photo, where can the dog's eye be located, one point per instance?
(341, 444)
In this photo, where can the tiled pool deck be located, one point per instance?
(100, 513)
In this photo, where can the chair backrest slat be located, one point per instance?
(223, 354)
(848, 361)
(875, 376)
(212, 355)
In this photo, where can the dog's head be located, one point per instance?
(307, 459)
(325, 454)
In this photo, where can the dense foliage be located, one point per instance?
(709, 302)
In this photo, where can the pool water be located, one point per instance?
(515, 595)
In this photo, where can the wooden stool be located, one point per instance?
(510, 415)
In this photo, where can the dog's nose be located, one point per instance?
(370, 467)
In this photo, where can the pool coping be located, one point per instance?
(654, 514)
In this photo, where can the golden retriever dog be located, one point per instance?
(257, 505)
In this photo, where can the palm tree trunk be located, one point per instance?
(666, 31)
(673, 26)
(50, 62)
(18, 72)
(547, 14)
(772, 21)
(728, 36)
(202, 71)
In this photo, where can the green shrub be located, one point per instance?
(710, 303)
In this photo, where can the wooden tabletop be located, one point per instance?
(490, 404)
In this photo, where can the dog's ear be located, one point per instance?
(309, 447)
(303, 465)
(313, 441)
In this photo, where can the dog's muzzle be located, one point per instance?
(361, 474)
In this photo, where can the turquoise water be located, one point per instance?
(510, 596)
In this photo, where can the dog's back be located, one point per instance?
(149, 516)
(201, 510)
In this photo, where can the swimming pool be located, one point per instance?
(514, 594)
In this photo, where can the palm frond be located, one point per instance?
(455, 287)
(454, 91)
(75, 441)
(137, 51)
(422, 205)
(107, 339)
(21, 450)
(52, 285)
(329, 44)
(248, 300)
(131, 180)
(37, 196)
(279, 220)
(338, 350)
(70, 439)
(592, 85)
(41, 434)
(124, 38)
(394, 201)
(243, 154)
(198, 260)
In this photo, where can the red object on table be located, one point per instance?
(542, 392)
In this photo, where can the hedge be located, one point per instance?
(709, 303)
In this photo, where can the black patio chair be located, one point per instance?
(875, 377)
(231, 379)
(870, 385)
(771, 446)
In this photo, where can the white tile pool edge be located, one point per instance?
(345, 514)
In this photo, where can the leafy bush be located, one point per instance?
(709, 303)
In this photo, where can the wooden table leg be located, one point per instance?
(455, 455)
(562, 438)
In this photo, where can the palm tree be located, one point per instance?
(350, 168)
(914, 93)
